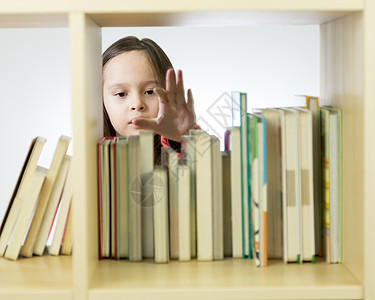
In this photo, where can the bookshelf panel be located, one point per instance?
(33, 20)
(228, 279)
(41, 278)
(85, 43)
(342, 86)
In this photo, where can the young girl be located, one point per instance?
(142, 92)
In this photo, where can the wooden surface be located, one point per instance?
(228, 279)
(42, 278)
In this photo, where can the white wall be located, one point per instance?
(271, 64)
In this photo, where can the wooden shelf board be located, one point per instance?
(228, 279)
(33, 20)
(45, 277)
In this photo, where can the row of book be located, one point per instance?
(274, 193)
(40, 195)
(291, 180)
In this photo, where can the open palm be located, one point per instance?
(176, 115)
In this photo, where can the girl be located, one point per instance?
(142, 92)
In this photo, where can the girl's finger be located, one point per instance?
(162, 95)
(171, 85)
(190, 101)
(146, 124)
(180, 90)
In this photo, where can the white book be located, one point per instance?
(135, 208)
(236, 206)
(30, 201)
(62, 219)
(122, 197)
(204, 196)
(20, 190)
(217, 199)
(146, 140)
(188, 155)
(184, 253)
(170, 159)
(52, 206)
(293, 184)
(161, 219)
(307, 184)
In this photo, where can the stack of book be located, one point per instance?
(274, 193)
(38, 196)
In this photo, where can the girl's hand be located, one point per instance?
(176, 115)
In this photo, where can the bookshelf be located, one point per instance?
(347, 72)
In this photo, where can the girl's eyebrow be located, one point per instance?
(117, 85)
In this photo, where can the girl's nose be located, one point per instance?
(138, 107)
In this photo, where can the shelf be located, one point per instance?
(42, 278)
(228, 279)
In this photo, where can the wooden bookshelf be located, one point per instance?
(347, 74)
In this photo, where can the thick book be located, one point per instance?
(161, 216)
(61, 148)
(274, 184)
(21, 188)
(30, 201)
(184, 248)
(135, 207)
(146, 140)
(307, 184)
(204, 195)
(52, 207)
(104, 195)
(122, 192)
(217, 199)
(236, 196)
(332, 186)
(170, 160)
(188, 156)
(293, 186)
(62, 219)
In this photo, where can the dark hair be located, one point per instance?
(159, 61)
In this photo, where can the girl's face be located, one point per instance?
(128, 83)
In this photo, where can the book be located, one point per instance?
(332, 189)
(30, 201)
(170, 160)
(188, 156)
(312, 103)
(104, 196)
(217, 199)
(146, 140)
(67, 243)
(161, 218)
(52, 207)
(307, 184)
(62, 219)
(293, 186)
(262, 157)
(122, 192)
(274, 183)
(239, 117)
(61, 148)
(204, 195)
(20, 190)
(227, 211)
(113, 198)
(236, 197)
(184, 248)
(135, 207)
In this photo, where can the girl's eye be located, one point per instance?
(149, 92)
(121, 94)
